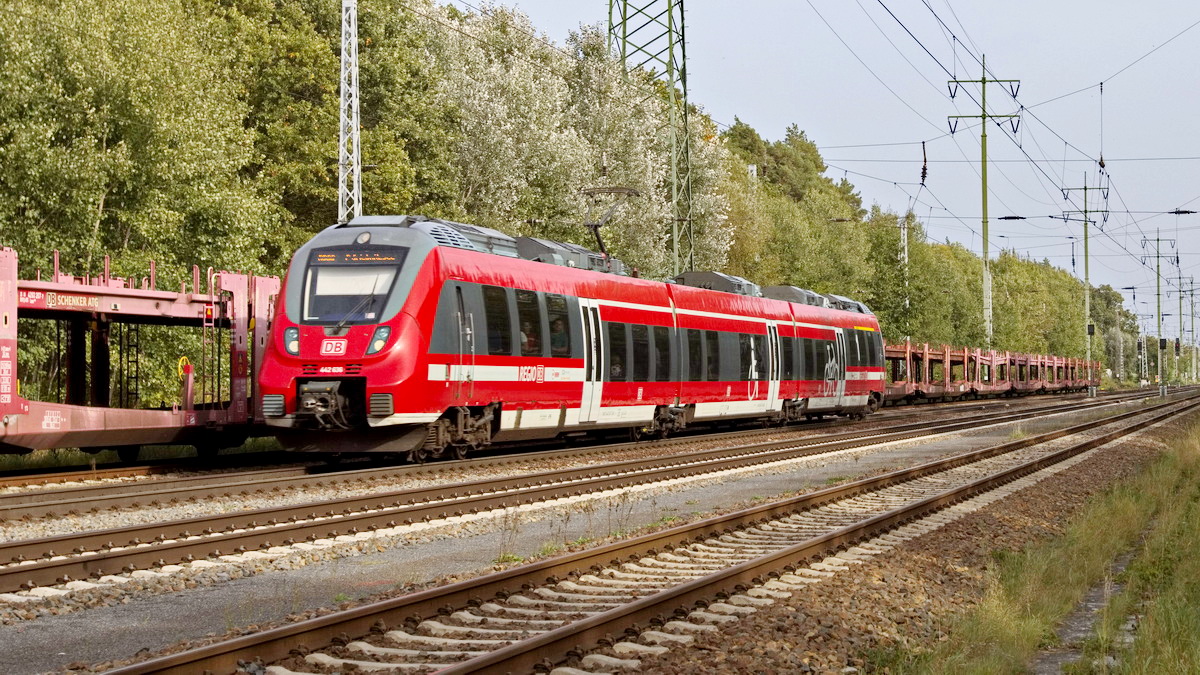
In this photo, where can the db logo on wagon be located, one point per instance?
(333, 348)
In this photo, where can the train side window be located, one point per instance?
(786, 345)
(729, 357)
(853, 349)
(808, 356)
(820, 357)
(499, 321)
(877, 345)
(758, 365)
(618, 353)
(641, 352)
(746, 356)
(712, 356)
(446, 335)
(694, 356)
(529, 320)
(801, 358)
(560, 323)
(662, 354)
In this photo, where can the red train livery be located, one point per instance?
(431, 337)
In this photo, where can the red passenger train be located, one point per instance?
(431, 337)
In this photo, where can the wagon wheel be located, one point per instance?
(459, 451)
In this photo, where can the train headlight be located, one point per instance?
(379, 339)
(291, 340)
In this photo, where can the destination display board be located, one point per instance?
(359, 255)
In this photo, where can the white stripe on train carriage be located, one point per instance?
(864, 375)
(725, 408)
(402, 418)
(532, 419)
(626, 413)
(445, 372)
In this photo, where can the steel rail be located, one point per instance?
(36, 478)
(40, 477)
(317, 633)
(156, 544)
(556, 645)
(95, 498)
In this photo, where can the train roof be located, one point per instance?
(451, 234)
(485, 239)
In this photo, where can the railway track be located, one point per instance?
(158, 473)
(94, 554)
(89, 498)
(658, 588)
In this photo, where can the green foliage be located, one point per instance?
(122, 132)
(205, 133)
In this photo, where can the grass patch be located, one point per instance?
(1030, 591)
(506, 558)
(548, 549)
(1166, 578)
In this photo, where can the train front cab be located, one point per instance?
(341, 323)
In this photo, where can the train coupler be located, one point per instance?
(322, 402)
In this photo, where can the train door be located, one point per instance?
(838, 368)
(593, 361)
(464, 375)
(773, 366)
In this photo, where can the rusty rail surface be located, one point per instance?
(144, 493)
(156, 544)
(317, 633)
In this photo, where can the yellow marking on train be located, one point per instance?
(863, 328)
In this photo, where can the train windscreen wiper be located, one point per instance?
(364, 304)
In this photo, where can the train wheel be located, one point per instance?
(420, 455)
(458, 451)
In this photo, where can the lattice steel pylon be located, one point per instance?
(649, 34)
(349, 152)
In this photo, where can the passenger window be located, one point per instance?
(785, 356)
(819, 359)
(529, 317)
(641, 353)
(758, 363)
(662, 354)
(712, 357)
(499, 322)
(808, 351)
(617, 354)
(695, 364)
(746, 356)
(560, 333)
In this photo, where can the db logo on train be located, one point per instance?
(333, 348)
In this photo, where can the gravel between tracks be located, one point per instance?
(908, 598)
(69, 523)
(461, 553)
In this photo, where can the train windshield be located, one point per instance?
(349, 286)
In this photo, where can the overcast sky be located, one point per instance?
(849, 74)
